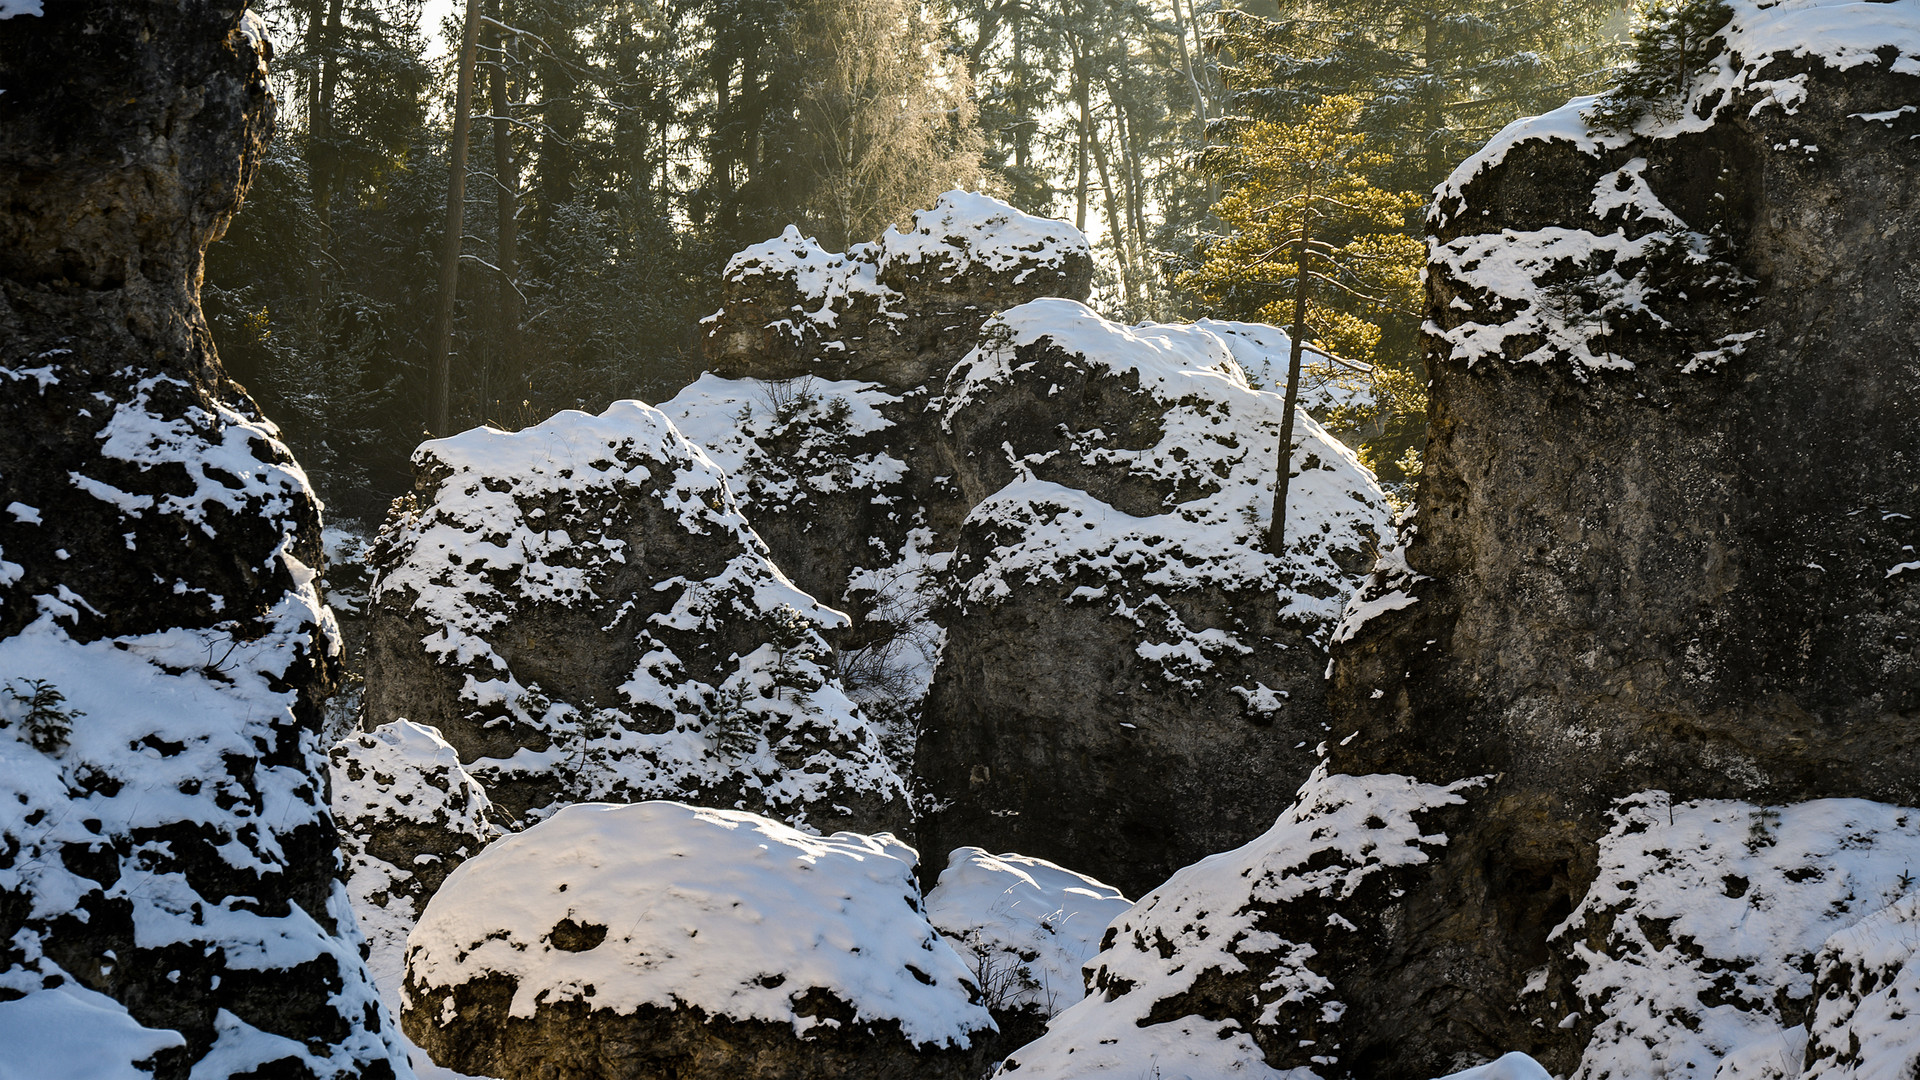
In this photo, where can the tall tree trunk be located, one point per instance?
(323, 41)
(440, 359)
(1277, 529)
(1081, 94)
(1115, 226)
(506, 192)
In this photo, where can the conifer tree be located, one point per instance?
(1311, 244)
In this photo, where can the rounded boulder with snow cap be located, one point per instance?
(664, 940)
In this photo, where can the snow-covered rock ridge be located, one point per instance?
(582, 611)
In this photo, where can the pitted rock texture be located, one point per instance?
(1120, 648)
(582, 612)
(1666, 530)
(168, 871)
(822, 406)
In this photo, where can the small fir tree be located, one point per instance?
(1673, 40)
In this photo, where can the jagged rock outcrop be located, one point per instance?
(1663, 542)
(1120, 648)
(169, 876)
(822, 408)
(663, 940)
(583, 613)
(408, 816)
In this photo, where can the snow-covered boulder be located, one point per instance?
(583, 613)
(663, 940)
(170, 900)
(1025, 927)
(408, 814)
(1121, 649)
(1227, 968)
(898, 311)
(1665, 536)
(1866, 1010)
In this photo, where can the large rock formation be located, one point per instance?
(1121, 650)
(665, 941)
(169, 888)
(1664, 542)
(822, 406)
(582, 612)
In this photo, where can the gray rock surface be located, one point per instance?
(1130, 682)
(582, 612)
(168, 872)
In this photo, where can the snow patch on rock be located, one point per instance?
(727, 912)
(1025, 925)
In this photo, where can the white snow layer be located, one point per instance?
(719, 910)
(1025, 925)
(38, 1037)
(1842, 34)
(1717, 916)
(486, 547)
(1264, 352)
(176, 725)
(8, 9)
(1515, 1066)
(1339, 832)
(1218, 449)
(1866, 1019)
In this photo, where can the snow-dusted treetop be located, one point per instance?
(1842, 34)
(719, 910)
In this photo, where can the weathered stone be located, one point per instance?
(582, 612)
(166, 859)
(1121, 651)
(664, 941)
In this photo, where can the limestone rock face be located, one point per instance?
(169, 876)
(582, 612)
(821, 405)
(1120, 649)
(660, 940)
(1666, 508)
(1663, 555)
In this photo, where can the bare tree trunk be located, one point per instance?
(506, 193)
(440, 360)
(1114, 225)
(1086, 135)
(1277, 529)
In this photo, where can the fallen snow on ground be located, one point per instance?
(1515, 1066)
(1712, 916)
(1025, 925)
(1217, 451)
(720, 910)
(965, 230)
(41, 1037)
(1264, 353)
(1339, 833)
(1866, 1017)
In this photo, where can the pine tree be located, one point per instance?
(1672, 41)
(1311, 244)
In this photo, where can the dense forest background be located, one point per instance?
(621, 150)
